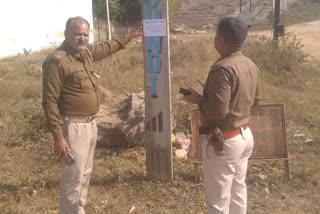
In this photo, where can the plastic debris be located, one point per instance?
(267, 190)
(308, 141)
(299, 135)
(133, 208)
(183, 143)
(181, 153)
(173, 137)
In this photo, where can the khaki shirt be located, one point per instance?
(70, 84)
(229, 97)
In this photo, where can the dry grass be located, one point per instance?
(30, 171)
(301, 12)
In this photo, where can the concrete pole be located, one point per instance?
(157, 96)
(108, 19)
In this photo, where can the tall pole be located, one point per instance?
(157, 91)
(108, 18)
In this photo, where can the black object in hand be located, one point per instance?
(184, 91)
(70, 159)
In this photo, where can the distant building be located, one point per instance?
(36, 24)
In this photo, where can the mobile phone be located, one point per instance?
(184, 91)
(70, 159)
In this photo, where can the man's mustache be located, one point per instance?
(79, 42)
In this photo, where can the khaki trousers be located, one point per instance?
(224, 176)
(75, 179)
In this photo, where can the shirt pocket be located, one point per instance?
(81, 80)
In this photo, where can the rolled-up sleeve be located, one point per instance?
(215, 106)
(52, 86)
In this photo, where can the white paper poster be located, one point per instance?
(154, 27)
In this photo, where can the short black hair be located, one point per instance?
(69, 21)
(233, 30)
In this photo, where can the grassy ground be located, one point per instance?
(29, 171)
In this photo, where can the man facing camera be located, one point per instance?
(71, 100)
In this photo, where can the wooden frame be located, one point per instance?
(267, 124)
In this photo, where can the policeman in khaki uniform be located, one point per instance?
(70, 101)
(231, 89)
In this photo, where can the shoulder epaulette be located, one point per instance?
(217, 67)
(56, 58)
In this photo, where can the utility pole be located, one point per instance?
(245, 16)
(108, 18)
(157, 90)
(276, 19)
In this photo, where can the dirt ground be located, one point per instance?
(309, 34)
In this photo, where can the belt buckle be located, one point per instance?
(90, 118)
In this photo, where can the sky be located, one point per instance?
(37, 24)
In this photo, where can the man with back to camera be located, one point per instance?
(70, 101)
(231, 90)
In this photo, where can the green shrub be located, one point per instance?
(281, 59)
(172, 5)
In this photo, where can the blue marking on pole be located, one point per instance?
(150, 14)
(157, 57)
(156, 41)
(154, 85)
(154, 5)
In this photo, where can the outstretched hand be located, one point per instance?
(137, 32)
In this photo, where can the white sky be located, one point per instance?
(32, 24)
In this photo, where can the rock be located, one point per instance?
(150, 204)
(105, 93)
(133, 126)
(263, 177)
(205, 27)
(125, 127)
(200, 31)
(179, 28)
(136, 106)
(210, 26)
(110, 135)
(133, 130)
